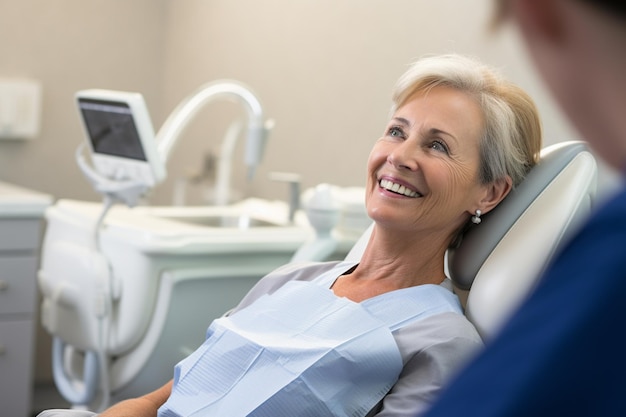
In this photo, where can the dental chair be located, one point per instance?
(499, 261)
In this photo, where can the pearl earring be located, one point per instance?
(476, 217)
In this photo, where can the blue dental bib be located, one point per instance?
(301, 351)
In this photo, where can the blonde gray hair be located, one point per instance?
(512, 133)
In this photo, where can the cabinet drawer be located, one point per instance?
(18, 284)
(16, 358)
(18, 233)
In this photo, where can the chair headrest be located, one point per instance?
(481, 240)
(501, 259)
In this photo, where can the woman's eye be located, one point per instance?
(439, 146)
(395, 131)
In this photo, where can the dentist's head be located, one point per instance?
(578, 47)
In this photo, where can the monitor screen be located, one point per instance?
(111, 128)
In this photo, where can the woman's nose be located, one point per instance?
(404, 156)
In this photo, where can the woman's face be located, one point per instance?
(423, 172)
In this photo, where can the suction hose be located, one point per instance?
(69, 388)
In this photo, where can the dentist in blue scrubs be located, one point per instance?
(381, 336)
(564, 351)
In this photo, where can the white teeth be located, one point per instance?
(397, 188)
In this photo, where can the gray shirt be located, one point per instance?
(432, 349)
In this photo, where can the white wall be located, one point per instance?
(323, 69)
(70, 45)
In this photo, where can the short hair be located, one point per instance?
(512, 136)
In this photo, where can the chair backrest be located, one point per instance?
(500, 260)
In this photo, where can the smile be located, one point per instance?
(398, 189)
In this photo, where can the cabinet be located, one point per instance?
(21, 213)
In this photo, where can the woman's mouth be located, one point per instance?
(398, 188)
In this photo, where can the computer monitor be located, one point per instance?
(120, 136)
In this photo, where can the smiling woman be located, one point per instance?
(431, 147)
(460, 106)
(459, 139)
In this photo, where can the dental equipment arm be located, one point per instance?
(95, 367)
(128, 191)
(178, 120)
(126, 165)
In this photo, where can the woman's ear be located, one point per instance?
(495, 193)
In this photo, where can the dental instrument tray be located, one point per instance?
(120, 135)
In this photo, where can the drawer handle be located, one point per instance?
(3, 285)
(2, 350)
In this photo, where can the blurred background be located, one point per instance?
(323, 70)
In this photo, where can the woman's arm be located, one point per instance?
(144, 406)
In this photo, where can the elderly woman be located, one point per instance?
(378, 337)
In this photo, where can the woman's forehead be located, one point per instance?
(442, 108)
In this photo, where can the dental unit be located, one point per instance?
(129, 290)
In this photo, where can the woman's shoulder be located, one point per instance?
(445, 331)
(432, 349)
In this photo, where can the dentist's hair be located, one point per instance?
(614, 9)
(512, 137)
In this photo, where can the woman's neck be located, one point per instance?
(389, 263)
